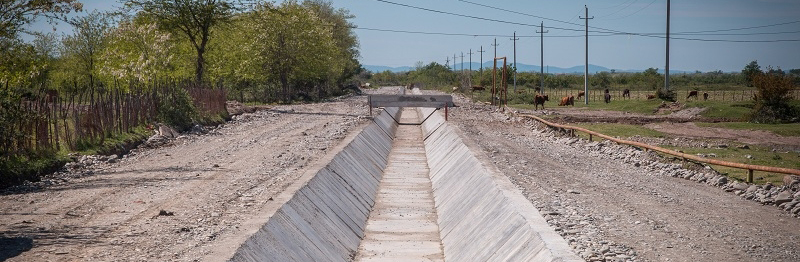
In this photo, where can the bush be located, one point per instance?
(177, 110)
(667, 95)
(772, 101)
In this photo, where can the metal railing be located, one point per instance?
(750, 168)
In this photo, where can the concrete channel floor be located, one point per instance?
(402, 225)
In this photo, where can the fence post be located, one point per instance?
(749, 176)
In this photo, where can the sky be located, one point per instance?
(564, 44)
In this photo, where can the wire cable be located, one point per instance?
(607, 31)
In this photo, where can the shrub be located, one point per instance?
(667, 95)
(772, 101)
(176, 109)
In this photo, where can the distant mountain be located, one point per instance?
(525, 68)
(378, 68)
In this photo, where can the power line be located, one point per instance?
(620, 10)
(637, 11)
(657, 35)
(570, 36)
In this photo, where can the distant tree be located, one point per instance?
(194, 19)
(772, 102)
(795, 71)
(750, 71)
(602, 79)
(84, 46)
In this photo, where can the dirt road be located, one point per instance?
(173, 203)
(610, 209)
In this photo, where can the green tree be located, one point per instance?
(194, 19)
(82, 49)
(292, 45)
(15, 14)
(137, 51)
(750, 71)
(772, 102)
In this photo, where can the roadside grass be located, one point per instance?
(17, 169)
(115, 143)
(760, 156)
(619, 130)
(723, 109)
(792, 129)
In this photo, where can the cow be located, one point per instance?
(692, 94)
(477, 88)
(705, 96)
(580, 94)
(567, 101)
(651, 97)
(539, 100)
(607, 98)
(626, 93)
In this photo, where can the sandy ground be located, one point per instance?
(208, 185)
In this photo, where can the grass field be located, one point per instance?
(792, 129)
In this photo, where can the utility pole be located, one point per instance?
(470, 59)
(481, 59)
(462, 62)
(454, 62)
(541, 66)
(515, 60)
(666, 67)
(495, 48)
(586, 68)
(469, 77)
(448, 61)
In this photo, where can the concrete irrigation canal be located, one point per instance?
(403, 193)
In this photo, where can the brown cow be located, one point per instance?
(651, 97)
(692, 94)
(607, 98)
(567, 101)
(580, 94)
(539, 100)
(705, 96)
(626, 93)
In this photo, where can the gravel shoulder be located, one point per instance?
(174, 203)
(622, 209)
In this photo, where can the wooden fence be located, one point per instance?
(51, 120)
(750, 168)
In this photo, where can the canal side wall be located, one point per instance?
(323, 219)
(482, 215)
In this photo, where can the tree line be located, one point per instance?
(435, 74)
(260, 50)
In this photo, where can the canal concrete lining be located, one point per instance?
(324, 218)
(402, 225)
(471, 213)
(482, 216)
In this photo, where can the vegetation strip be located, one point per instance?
(667, 151)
